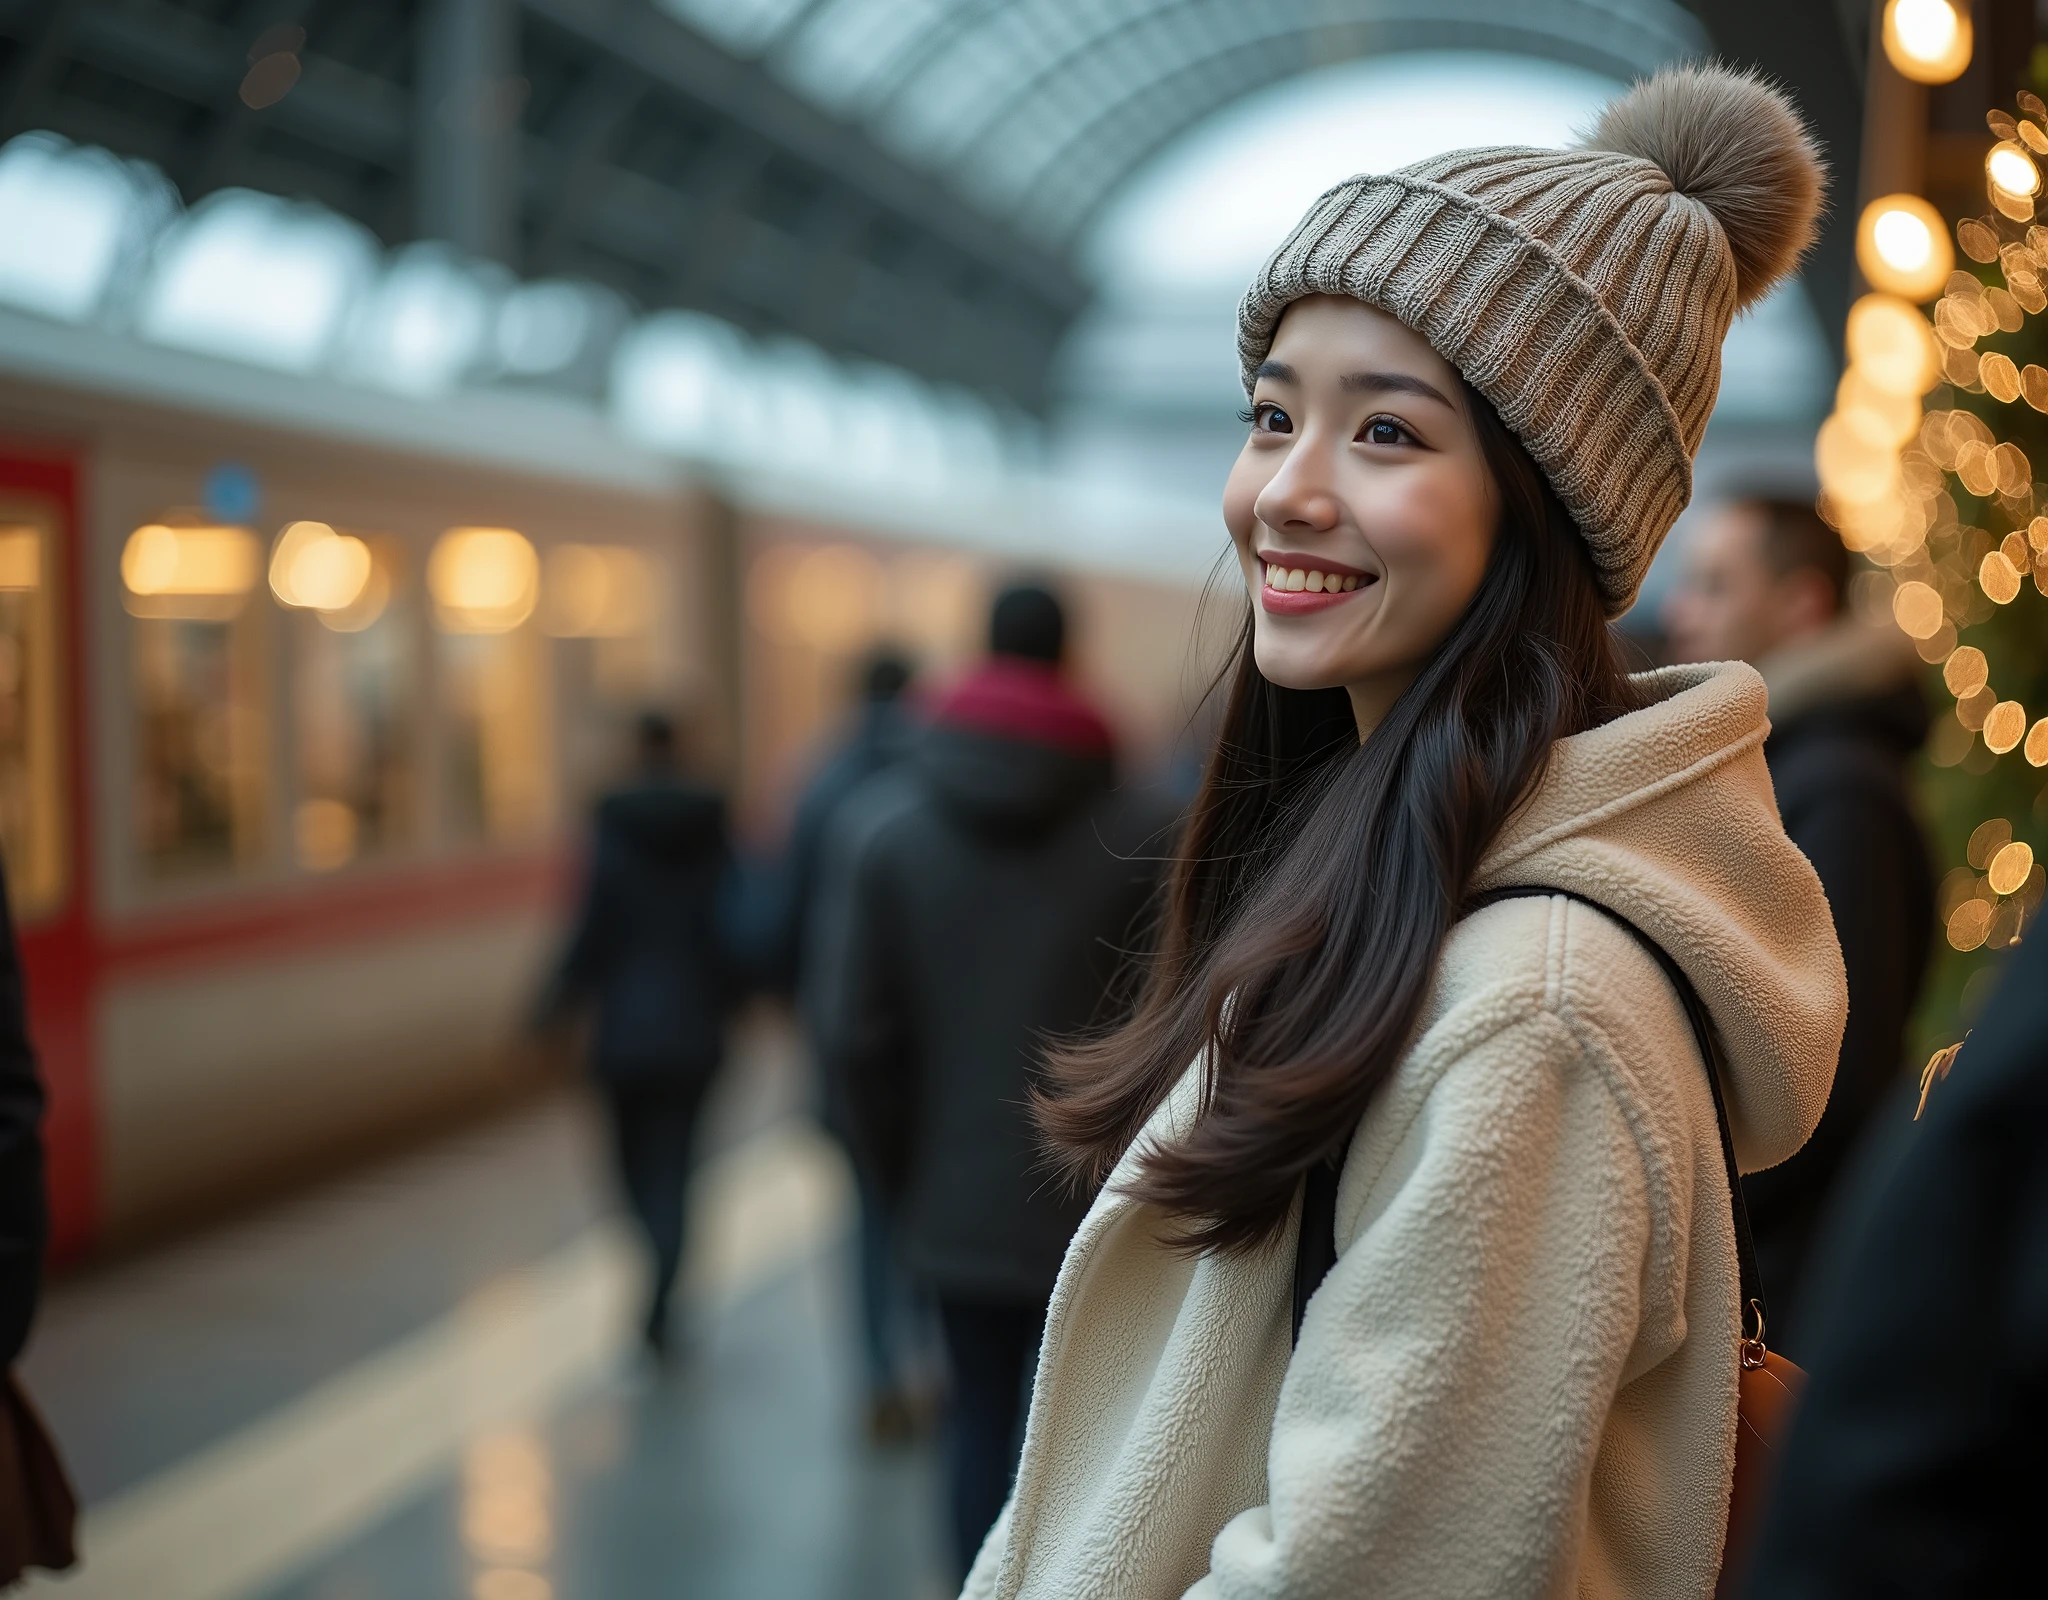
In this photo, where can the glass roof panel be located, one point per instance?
(742, 26)
(1040, 108)
(844, 52)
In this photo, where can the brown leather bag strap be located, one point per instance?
(1315, 1249)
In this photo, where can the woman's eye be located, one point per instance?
(1382, 430)
(1269, 418)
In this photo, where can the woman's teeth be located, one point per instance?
(1315, 582)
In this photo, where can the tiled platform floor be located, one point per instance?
(419, 1384)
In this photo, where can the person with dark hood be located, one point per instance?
(883, 730)
(649, 952)
(991, 898)
(881, 737)
(1914, 1466)
(38, 1507)
(1765, 582)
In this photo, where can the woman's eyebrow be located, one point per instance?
(1391, 383)
(1278, 371)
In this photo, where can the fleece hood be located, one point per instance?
(1666, 816)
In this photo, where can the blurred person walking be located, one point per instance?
(1765, 582)
(649, 950)
(38, 1509)
(881, 737)
(1915, 1464)
(1415, 1267)
(991, 896)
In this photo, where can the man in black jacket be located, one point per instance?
(880, 739)
(648, 949)
(983, 902)
(1765, 583)
(1915, 1464)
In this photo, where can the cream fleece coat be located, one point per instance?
(1519, 1378)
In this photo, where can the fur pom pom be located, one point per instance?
(1736, 144)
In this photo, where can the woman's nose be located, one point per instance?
(1300, 495)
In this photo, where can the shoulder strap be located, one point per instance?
(1315, 1251)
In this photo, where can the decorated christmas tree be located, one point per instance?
(1929, 468)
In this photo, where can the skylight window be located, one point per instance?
(75, 220)
(257, 279)
(742, 26)
(426, 325)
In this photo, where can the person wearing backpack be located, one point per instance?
(1477, 385)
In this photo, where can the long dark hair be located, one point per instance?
(1317, 878)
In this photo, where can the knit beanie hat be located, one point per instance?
(1584, 292)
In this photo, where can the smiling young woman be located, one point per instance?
(1476, 386)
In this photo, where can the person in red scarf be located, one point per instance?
(986, 897)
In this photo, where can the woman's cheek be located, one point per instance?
(1240, 498)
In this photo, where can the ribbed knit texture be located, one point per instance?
(1578, 290)
(1573, 289)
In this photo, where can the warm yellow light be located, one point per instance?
(1886, 420)
(510, 1583)
(1854, 467)
(2010, 168)
(369, 602)
(1969, 923)
(1928, 41)
(483, 580)
(1998, 580)
(1965, 671)
(834, 600)
(1917, 609)
(2001, 379)
(1986, 840)
(1892, 347)
(21, 558)
(2009, 868)
(2011, 470)
(1976, 468)
(598, 591)
(2004, 727)
(325, 833)
(202, 573)
(2036, 747)
(1903, 248)
(314, 567)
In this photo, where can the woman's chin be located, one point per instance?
(1292, 669)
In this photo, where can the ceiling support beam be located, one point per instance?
(468, 95)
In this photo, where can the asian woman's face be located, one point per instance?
(1361, 506)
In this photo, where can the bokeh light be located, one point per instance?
(598, 591)
(483, 580)
(1903, 248)
(1928, 41)
(314, 567)
(197, 572)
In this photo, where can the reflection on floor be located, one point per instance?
(422, 1385)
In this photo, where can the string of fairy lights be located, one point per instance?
(1897, 440)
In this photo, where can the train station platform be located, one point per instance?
(422, 1382)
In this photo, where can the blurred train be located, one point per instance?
(303, 690)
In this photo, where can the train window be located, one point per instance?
(495, 715)
(495, 704)
(31, 755)
(197, 654)
(199, 780)
(354, 701)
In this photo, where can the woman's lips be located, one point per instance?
(1290, 591)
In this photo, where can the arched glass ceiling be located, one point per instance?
(1038, 109)
(1199, 217)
